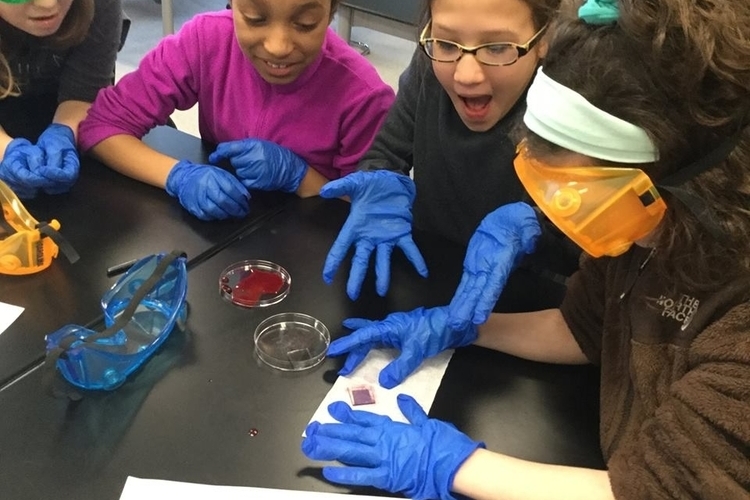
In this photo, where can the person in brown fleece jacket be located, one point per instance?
(637, 146)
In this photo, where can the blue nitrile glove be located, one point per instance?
(418, 334)
(502, 239)
(380, 218)
(419, 459)
(207, 192)
(262, 165)
(19, 168)
(62, 164)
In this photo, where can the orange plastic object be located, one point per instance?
(23, 248)
(603, 209)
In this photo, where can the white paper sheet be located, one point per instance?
(422, 385)
(158, 489)
(8, 314)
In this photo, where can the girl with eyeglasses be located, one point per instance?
(451, 128)
(638, 147)
(55, 55)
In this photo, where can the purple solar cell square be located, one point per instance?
(361, 395)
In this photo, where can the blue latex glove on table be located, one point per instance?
(207, 192)
(418, 334)
(380, 219)
(262, 165)
(51, 165)
(419, 459)
(500, 242)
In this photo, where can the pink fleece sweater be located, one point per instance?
(328, 116)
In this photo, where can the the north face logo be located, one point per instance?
(680, 310)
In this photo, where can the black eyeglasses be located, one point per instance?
(490, 54)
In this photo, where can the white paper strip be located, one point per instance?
(8, 314)
(422, 385)
(157, 489)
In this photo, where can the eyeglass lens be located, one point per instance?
(497, 54)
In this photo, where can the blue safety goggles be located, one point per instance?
(140, 311)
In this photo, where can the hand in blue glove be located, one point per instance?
(207, 192)
(419, 459)
(51, 165)
(497, 246)
(62, 164)
(262, 165)
(20, 166)
(380, 218)
(419, 334)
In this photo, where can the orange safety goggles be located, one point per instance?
(602, 209)
(27, 246)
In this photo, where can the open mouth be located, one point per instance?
(476, 104)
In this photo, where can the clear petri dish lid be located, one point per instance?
(291, 341)
(254, 283)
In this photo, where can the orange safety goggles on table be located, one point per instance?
(602, 209)
(27, 246)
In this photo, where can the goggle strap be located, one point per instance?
(695, 204)
(144, 289)
(698, 208)
(707, 162)
(64, 245)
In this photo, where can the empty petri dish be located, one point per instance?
(254, 283)
(291, 341)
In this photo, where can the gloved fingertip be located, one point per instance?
(312, 428)
(330, 267)
(478, 320)
(332, 189)
(405, 398)
(306, 445)
(334, 351)
(411, 409)
(331, 473)
(339, 410)
(387, 381)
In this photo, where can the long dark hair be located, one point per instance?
(72, 32)
(681, 71)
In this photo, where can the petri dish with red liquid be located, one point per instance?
(254, 283)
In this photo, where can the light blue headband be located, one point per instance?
(599, 11)
(564, 117)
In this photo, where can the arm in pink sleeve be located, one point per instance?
(360, 124)
(165, 80)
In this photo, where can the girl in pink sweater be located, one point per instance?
(277, 90)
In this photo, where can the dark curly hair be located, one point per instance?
(680, 70)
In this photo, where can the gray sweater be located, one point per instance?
(47, 76)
